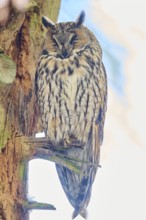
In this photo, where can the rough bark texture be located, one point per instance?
(13, 182)
(21, 39)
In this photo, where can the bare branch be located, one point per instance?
(37, 205)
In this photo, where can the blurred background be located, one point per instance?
(119, 191)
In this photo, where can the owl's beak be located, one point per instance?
(64, 53)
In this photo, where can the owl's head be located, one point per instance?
(66, 38)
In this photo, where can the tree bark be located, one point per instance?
(21, 39)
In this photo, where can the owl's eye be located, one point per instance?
(73, 38)
(55, 40)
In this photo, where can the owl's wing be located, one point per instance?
(78, 187)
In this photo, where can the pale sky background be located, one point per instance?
(119, 191)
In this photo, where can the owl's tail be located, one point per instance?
(82, 212)
(78, 186)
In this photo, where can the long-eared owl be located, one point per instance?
(71, 89)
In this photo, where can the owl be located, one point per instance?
(71, 90)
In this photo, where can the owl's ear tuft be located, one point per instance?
(80, 19)
(47, 22)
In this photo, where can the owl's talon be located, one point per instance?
(66, 142)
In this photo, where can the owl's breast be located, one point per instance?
(67, 99)
(78, 96)
(70, 80)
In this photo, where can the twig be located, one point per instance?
(27, 205)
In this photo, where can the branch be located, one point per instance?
(37, 205)
(64, 156)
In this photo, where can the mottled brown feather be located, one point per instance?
(71, 88)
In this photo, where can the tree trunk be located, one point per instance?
(13, 181)
(21, 39)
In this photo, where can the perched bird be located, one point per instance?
(71, 89)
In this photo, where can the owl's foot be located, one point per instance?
(72, 142)
(66, 141)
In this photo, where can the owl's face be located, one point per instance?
(65, 39)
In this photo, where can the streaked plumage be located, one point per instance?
(71, 89)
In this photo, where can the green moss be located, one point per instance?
(7, 69)
(4, 131)
(22, 170)
(53, 9)
(29, 205)
(34, 26)
(31, 4)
